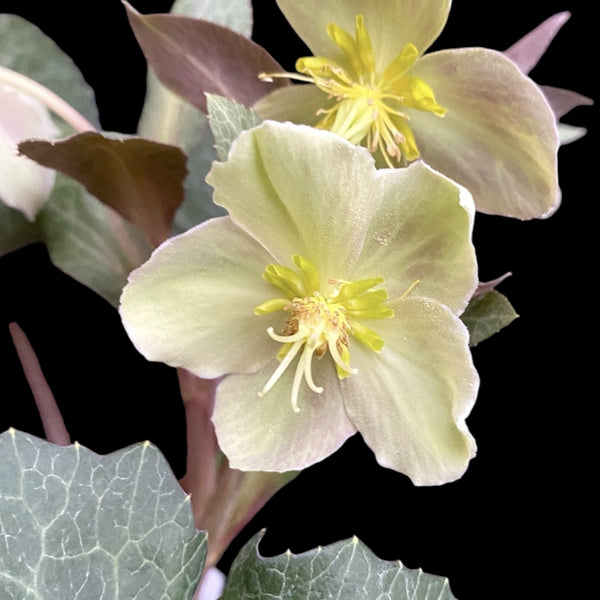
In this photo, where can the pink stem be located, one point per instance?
(47, 97)
(52, 421)
(223, 499)
(202, 449)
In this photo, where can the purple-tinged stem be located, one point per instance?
(52, 421)
(202, 449)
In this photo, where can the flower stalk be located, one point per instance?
(46, 97)
(52, 421)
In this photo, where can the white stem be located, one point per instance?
(47, 97)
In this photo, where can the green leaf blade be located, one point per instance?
(345, 569)
(76, 524)
(15, 230)
(486, 315)
(26, 49)
(227, 120)
(90, 241)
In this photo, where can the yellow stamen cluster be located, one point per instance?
(370, 105)
(318, 323)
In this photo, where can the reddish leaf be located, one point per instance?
(527, 51)
(192, 57)
(562, 101)
(140, 179)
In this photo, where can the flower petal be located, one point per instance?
(391, 24)
(265, 434)
(24, 184)
(498, 138)
(296, 103)
(313, 193)
(410, 401)
(428, 220)
(192, 303)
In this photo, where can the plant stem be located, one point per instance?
(202, 449)
(52, 421)
(223, 499)
(47, 97)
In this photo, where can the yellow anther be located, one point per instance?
(318, 324)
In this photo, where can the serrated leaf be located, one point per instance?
(89, 240)
(193, 57)
(77, 525)
(26, 49)
(141, 179)
(227, 120)
(346, 569)
(487, 314)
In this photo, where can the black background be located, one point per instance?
(514, 525)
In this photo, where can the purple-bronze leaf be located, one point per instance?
(193, 57)
(483, 287)
(530, 48)
(562, 101)
(140, 179)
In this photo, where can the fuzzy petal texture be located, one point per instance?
(428, 220)
(299, 203)
(499, 137)
(191, 304)
(293, 190)
(416, 21)
(265, 434)
(24, 185)
(410, 401)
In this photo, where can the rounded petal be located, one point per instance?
(24, 184)
(498, 137)
(296, 103)
(428, 220)
(312, 193)
(391, 24)
(410, 401)
(192, 303)
(265, 434)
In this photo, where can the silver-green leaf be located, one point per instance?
(486, 315)
(77, 525)
(227, 120)
(235, 14)
(346, 569)
(15, 230)
(90, 241)
(26, 49)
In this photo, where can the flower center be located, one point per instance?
(369, 106)
(319, 323)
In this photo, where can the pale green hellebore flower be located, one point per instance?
(330, 300)
(470, 113)
(24, 185)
